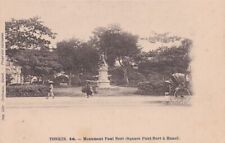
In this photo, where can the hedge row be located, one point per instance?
(152, 88)
(26, 91)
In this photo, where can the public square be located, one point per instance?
(36, 119)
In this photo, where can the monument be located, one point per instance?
(103, 78)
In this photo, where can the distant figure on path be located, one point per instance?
(88, 90)
(50, 92)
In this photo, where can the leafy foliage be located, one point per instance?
(27, 91)
(41, 63)
(27, 44)
(77, 57)
(159, 64)
(116, 45)
(9, 78)
(167, 60)
(162, 38)
(28, 34)
(152, 88)
(28, 41)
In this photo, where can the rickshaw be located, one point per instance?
(178, 88)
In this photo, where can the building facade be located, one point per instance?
(14, 71)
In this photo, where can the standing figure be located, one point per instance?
(50, 90)
(88, 90)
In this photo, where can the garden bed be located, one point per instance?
(27, 91)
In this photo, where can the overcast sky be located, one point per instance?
(73, 18)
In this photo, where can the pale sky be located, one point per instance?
(76, 18)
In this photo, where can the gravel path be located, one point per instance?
(35, 120)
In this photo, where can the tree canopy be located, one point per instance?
(27, 44)
(166, 60)
(28, 34)
(116, 45)
(41, 63)
(77, 57)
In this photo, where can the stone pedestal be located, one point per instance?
(103, 78)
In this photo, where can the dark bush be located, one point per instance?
(76, 81)
(117, 77)
(27, 91)
(152, 88)
(135, 78)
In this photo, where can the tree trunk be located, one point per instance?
(43, 80)
(70, 79)
(79, 80)
(125, 76)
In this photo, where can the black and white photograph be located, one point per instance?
(106, 71)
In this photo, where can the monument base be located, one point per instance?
(104, 85)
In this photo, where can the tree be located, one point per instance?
(77, 57)
(166, 60)
(27, 34)
(40, 63)
(27, 44)
(116, 45)
(162, 38)
(9, 78)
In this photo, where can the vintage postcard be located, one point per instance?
(105, 71)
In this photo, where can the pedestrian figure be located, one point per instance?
(88, 90)
(50, 90)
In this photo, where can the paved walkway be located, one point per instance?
(34, 120)
(94, 101)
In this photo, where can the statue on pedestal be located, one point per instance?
(103, 78)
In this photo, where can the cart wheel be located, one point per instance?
(182, 96)
(182, 92)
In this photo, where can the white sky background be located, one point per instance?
(73, 18)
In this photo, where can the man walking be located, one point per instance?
(50, 92)
(88, 90)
